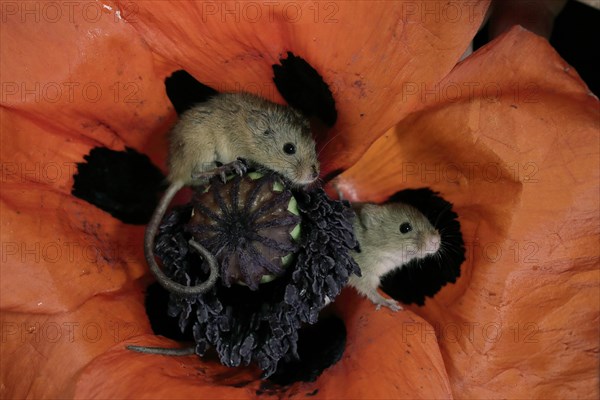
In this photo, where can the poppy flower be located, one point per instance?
(509, 136)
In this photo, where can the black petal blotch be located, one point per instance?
(425, 277)
(184, 91)
(319, 346)
(123, 183)
(304, 88)
(261, 326)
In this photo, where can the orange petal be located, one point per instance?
(59, 250)
(383, 353)
(517, 152)
(367, 64)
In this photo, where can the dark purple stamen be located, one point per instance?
(248, 234)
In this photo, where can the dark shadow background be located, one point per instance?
(575, 37)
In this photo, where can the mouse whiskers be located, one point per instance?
(446, 208)
(327, 143)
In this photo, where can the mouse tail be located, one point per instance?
(150, 234)
(187, 351)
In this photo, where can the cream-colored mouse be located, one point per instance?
(214, 137)
(389, 236)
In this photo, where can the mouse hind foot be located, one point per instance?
(238, 167)
(381, 301)
(389, 303)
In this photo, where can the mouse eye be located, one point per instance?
(405, 228)
(267, 131)
(289, 148)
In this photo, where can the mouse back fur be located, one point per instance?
(240, 125)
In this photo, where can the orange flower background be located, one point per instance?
(510, 136)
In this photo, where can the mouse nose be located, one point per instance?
(433, 243)
(315, 173)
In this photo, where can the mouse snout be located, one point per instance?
(432, 242)
(306, 173)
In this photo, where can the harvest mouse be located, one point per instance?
(389, 236)
(212, 138)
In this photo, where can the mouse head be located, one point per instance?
(402, 232)
(284, 143)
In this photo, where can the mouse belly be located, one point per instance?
(368, 283)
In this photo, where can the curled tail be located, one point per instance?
(163, 279)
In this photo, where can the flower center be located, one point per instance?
(246, 224)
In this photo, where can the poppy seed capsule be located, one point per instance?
(250, 224)
(245, 326)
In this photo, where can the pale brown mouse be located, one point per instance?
(212, 138)
(389, 236)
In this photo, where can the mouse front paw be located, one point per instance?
(390, 303)
(240, 166)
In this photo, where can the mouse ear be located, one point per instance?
(257, 121)
(367, 216)
(302, 118)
